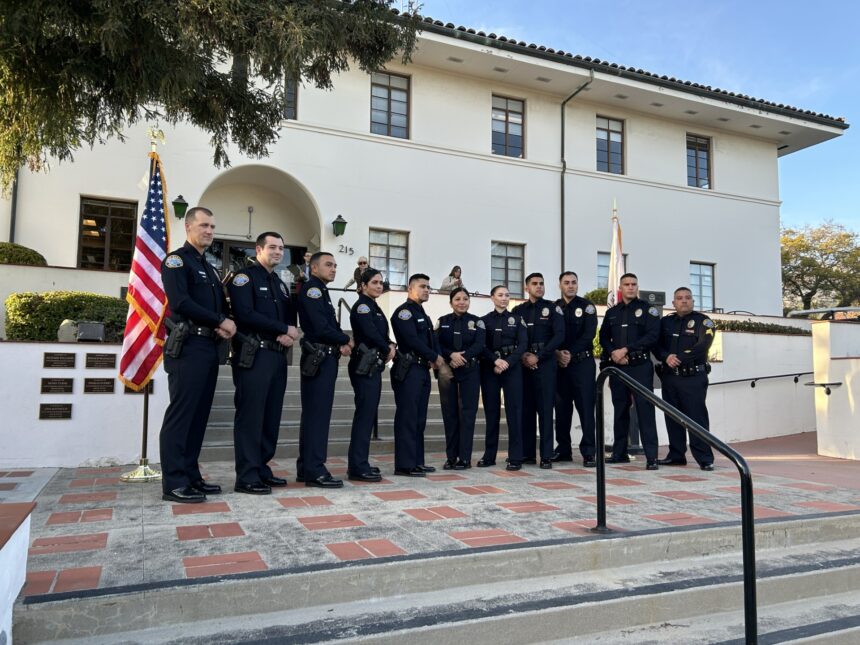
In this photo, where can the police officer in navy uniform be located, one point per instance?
(501, 370)
(629, 332)
(194, 297)
(370, 330)
(460, 335)
(418, 348)
(685, 340)
(320, 327)
(265, 314)
(576, 372)
(545, 327)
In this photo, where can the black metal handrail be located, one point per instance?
(753, 379)
(747, 519)
(342, 301)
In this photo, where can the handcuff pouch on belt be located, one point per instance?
(402, 362)
(177, 333)
(536, 348)
(503, 352)
(312, 357)
(369, 361)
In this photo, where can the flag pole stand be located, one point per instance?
(144, 472)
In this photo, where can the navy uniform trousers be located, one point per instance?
(538, 397)
(621, 402)
(458, 396)
(259, 401)
(492, 385)
(411, 396)
(576, 386)
(317, 401)
(687, 393)
(368, 391)
(191, 380)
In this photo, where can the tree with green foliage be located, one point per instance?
(820, 266)
(78, 72)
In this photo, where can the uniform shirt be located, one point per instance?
(317, 314)
(580, 324)
(544, 324)
(261, 303)
(460, 334)
(369, 325)
(635, 326)
(193, 289)
(689, 337)
(505, 329)
(413, 332)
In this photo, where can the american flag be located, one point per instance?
(144, 328)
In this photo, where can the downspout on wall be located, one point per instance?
(13, 213)
(564, 160)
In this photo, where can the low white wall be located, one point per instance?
(13, 564)
(836, 351)
(104, 428)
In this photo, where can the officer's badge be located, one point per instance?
(653, 311)
(173, 262)
(471, 325)
(544, 312)
(314, 292)
(578, 312)
(404, 314)
(638, 313)
(691, 324)
(240, 280)
(363, 309)
(512, 321)
(481, 324)
(708, 323)
(590, 309)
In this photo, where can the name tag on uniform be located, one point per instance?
(264, 288)
(419, 320)
(624, 325)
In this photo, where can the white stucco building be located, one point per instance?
(467, 156)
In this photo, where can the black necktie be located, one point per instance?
(497, 332)
(458, 336)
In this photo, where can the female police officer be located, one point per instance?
(461, 342)
(373, 350)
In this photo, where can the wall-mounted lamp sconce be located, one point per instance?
(339, 226)
(179, 207)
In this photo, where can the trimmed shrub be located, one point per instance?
(751, 327)
(37, 316)
(16, 254)
(597, 296)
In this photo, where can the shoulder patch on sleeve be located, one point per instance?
(481, 324)
(708, 323)
(404, 314)
(653, 311)
(241, 279)
(590, 309)
(363, 309)
(173, 262)
(314, 292)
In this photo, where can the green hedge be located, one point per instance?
(16, 254)
(37, 316)
(597, 296)
(751, 327)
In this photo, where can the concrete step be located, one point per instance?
(342, 396)
(557, 590)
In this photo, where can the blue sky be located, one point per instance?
(791, 52)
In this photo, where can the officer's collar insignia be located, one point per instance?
(512, 320)
(173, 262)
(283, 289)
(544, 312)
(404, 314)
(590, 309)
(578, 312)
(314, 292)
(481, 324)
(471, 324)
(653, 311)
(637, 313)
(523, 322)
(363, 309)
(240, 280)
(708, 323)
(558, 310)
(691, 324)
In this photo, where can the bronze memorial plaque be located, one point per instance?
(99, 385)
(57, 385)
(55, 410)
(149, 388)
(101, 361)
(58, 359)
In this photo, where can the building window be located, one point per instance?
(603, 269)
(698, 161)
(506, 266)
(702, 285)
(389, 252)
(507, 124)
(291, 99)
(610, 145)
(389, 105)
(107, 234)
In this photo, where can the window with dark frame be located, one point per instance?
(291, 96)
(506, 266)
(389, 253)
(107, 231)
(610, 145)
(508, 122)
(389, 105)
(603, 269)
(698, 161)
(702, 285)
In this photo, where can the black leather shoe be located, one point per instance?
(513, 466)
(707, 467)
(324, 481)
(185, 495)
(300, 477)
(369, 476)
(589, 462)
(530, 460)
(485, 463)
(652, 465)
(414, 472)
(256, 488)
(448, 465)
(546, 464)
(274, 481)
(672, 462)
(462, 465)
(207, 489)
(427, 469)
(375, 470)
(557, 457)
(623, 459)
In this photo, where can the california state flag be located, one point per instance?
(616, 263)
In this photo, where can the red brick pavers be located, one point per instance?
(529, 507)
(221, 565)
(94, 481)
(304, 502)
(480, 490)
(397, 495)
(363, 549)
(76, 579)
(761, 512)
(680, 519)
(434, 513)
(682, 495)
(486, 537)
(86, 498)
(209, 531)
(67, 543)
(829, 507)
(325, 522)
(582, 527)
(197, 509)
(75, 517)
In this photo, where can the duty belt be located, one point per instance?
(201, 331)
(419, 360)
(326, 349)
(274, 346)
(536, 348)
(505, 351)
(691, 370)
(581, 356)
(469, 363)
